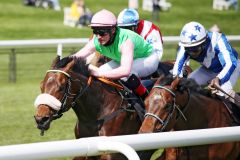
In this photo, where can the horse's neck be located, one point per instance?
(95, 101)
(203, 112)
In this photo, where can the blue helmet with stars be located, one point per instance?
(192, 34)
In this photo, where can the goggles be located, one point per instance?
(101, 32)
(193, 49)
(128, 27)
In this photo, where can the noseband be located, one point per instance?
(170, 115)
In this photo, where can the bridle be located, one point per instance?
(67, 93)
(165, 122)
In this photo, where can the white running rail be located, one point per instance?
(95, 145)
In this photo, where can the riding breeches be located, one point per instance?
(203, 76)
(142, 67)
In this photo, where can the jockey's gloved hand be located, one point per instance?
(215, 82)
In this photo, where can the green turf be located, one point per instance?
(20, 22)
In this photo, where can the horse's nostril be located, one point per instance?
(44, 119)
(41, 119)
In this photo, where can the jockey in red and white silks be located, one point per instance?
(152, 35)
(129, 19)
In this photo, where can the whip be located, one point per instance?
(221, 90)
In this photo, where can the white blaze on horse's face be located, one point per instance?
(157, 97)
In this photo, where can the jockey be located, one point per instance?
(220, 65)
(130, 54)
(129, 19)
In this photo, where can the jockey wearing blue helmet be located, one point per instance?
(129, 19)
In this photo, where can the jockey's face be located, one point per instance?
(103, 34)
(132, 28)
(194, 51)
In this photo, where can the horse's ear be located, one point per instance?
(69, 65)
(55, 61)
(174, 83)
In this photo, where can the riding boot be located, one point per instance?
(134, 83)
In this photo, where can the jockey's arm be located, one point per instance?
(181, 59)
(127, 49)
(88, 49)
(229, 64)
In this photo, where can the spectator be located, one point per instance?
(225, 4)
(54, 4)
(29, 2)
(80, 14)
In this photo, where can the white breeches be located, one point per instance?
(203, 76)
(142, 67)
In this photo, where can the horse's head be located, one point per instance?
(160, 106)
(59, 90)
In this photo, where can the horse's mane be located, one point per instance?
(79, 66)
(186, 83)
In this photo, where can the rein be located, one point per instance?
(67, 92)
(104, 80)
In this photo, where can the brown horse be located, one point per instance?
(101, 109)
(180, 104)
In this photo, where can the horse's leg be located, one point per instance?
(77, 136)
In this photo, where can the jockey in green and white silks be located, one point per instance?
(128, 51)
(131, 56)
(145, 62)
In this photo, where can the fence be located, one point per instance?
(124, 144)
(59, 44)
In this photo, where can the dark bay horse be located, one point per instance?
(100, 108)
(180, 104)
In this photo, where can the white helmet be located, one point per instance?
(128, 17)
(192, 34)
(103, 18)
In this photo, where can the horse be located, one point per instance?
(181, 104)
(102, 109)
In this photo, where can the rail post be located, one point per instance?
(12, 66)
